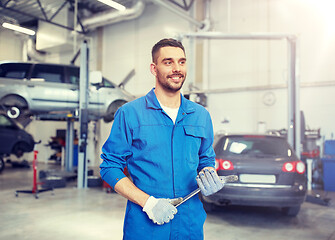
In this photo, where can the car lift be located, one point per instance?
(83, 116)
(82, 171)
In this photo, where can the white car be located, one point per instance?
(38, 88)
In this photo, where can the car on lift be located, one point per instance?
(270, 174)
(44, 88)
(13, 139)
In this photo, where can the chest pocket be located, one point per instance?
(195, 131)
(194, 136)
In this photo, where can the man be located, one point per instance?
(164, 140)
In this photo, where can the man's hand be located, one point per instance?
(159, 210)
(209, 181)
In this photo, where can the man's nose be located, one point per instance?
(176, 67)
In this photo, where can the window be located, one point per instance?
(107, 83)
(73, 75)
(49, 73)
(14, 70)
(241, 145)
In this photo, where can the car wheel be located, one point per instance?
(19, 149)
(13, 112)
(14, 106)
(291, 211)
(113, 107)
(2, 164)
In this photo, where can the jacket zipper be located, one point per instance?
(173, 185)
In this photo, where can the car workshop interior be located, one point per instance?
(263, 69)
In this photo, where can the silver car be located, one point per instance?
(37, 88)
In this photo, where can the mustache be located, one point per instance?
(175, 75)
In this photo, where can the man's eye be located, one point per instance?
(182, 62)
(167, 63)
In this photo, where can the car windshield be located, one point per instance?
(74, 78)
(107, 83)
(260, 146)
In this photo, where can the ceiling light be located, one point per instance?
(113, 4)
(18, 28)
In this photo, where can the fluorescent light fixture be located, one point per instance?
(113, 4)
(18, 28)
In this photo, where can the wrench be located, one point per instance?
(177, 201)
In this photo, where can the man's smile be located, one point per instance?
(176, 77)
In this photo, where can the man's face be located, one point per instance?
(170, 68)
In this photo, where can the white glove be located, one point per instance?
(159, 210)
(209, 182)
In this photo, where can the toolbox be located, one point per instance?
(329, 174)
(328, 162)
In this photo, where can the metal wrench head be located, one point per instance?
(224, 179)
(176, 201)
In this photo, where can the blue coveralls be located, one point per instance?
(163, 160)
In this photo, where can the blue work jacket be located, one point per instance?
(163, 160)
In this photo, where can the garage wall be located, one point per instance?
(11, 45)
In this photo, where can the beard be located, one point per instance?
(168, 84)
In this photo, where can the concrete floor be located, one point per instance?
(70, 213)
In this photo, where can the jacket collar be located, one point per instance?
(152, 102)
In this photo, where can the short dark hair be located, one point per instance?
(166, 42)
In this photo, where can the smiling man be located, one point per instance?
(165, 141)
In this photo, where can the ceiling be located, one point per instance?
(27, 13)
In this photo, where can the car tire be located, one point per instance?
(2, 164)
(20, 148)
(291, 211)
(113, 107)
(14, 106)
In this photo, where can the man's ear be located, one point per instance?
(153, 69)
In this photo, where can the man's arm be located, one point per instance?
(115, 153)
(127, 189)
(206, 151)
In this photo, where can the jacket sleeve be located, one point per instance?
(116, 150)
(206, 152)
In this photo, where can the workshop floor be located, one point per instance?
(71, 213)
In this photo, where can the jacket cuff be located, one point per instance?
(112, 176)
